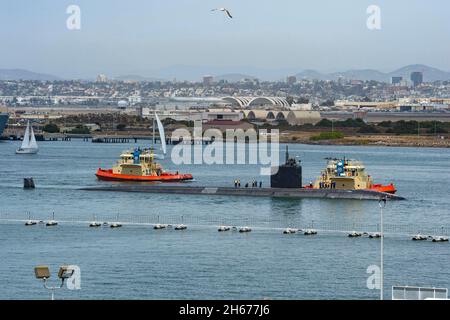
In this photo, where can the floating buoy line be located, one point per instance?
(95, 224)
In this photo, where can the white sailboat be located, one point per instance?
(29, 144)
(162, 137)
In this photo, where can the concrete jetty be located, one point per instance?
(250, 192)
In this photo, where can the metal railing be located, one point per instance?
(418, 293)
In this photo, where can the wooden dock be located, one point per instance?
(249, 192)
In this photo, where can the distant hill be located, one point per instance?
(236, 74)
(430, 74)
(21, 74)
(312, 75)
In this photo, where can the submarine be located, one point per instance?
(285, 182)
(287, 175)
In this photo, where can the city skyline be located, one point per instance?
(143, 38)
(198, 74)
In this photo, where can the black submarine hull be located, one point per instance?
(251, 192)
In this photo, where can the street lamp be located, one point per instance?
(43, 273)
(382, 204)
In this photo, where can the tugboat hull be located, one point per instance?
(108, 175)
(390, 188)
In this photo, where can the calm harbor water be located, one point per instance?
(138, 262)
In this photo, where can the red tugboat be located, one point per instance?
(346, 174)
(139, 165)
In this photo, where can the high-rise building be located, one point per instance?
(396, 80)
(102, 78)
(208, 80)
(416, 78)
(291, 80)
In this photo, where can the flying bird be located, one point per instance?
(224, 10)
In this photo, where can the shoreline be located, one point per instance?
(370, 140)
(303, 137)
(348, 143)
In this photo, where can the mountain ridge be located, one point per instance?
(430, 74)
(232, 74)
(22, 74)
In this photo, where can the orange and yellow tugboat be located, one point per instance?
(346, 174)
(139, 165)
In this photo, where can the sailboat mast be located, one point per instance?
(33, 143)
(162, 135)
(153, 145)
(26, 137)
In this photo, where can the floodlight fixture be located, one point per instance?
(43, 273)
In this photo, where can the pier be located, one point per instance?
(112, 138)
(251, 192)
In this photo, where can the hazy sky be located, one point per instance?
(140, 36)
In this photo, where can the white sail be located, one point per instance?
(33, 143)
(26, 137)
(162, 135)
(29, 145)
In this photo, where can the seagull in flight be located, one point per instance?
(226, 11)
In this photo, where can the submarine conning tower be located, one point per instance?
(287, 175)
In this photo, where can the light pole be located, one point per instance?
(43, 273)
(382, 204)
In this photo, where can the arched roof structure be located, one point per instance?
(281, 115)
(256, 101)
(263, 101)
(258, 115)
(303, 117)
(244, 113)
(238, 101)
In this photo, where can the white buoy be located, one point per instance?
(30, 222)
(116, 225)
(310, 232)
(52, 222)
(439, 239)
(419, 237)
(354, 234)
(245, 229)
(95, 224)
(290, 231)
